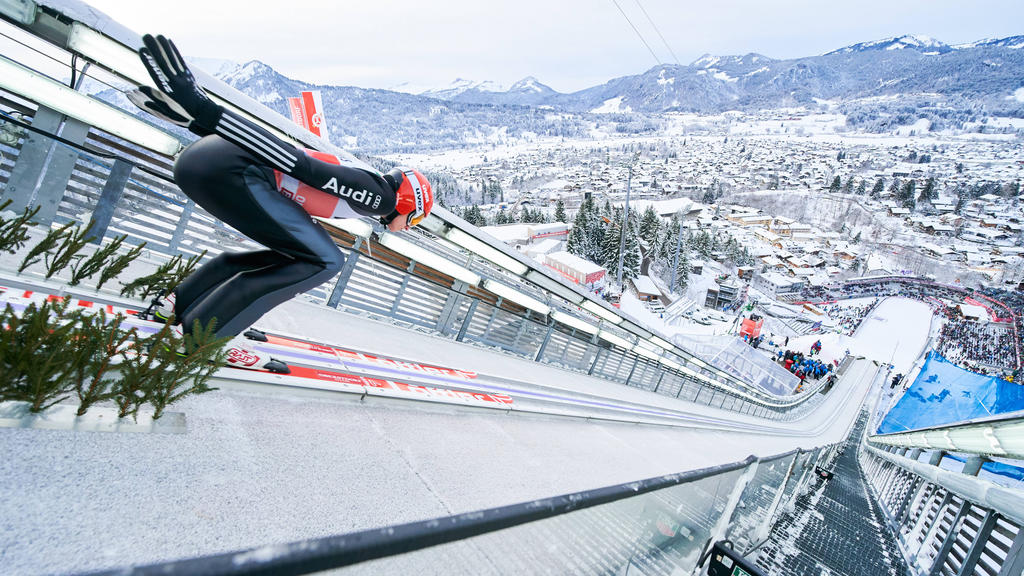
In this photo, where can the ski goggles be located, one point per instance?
(411, 219)
(420, 211)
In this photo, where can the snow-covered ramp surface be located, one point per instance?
(259, 466)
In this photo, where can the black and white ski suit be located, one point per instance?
(267, 189)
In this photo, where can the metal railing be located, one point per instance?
(661, 525)
(995, 436)
(947, 522)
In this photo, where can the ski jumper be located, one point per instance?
(273, 208)
(267, 189)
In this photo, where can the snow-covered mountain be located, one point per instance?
(924, 44)
(527, 92)
(985, 74)
(1014, 42)
(460, 86)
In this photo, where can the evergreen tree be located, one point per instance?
(929, 191)
(667, 249)
(848, 187)
(631, 259)
(922, 196)
(596, 226)
(578, 241)
(702, 243)
(879, 186)
(906, 194)
(560, 211)
(862, 187)
(709, 196)
(894, 188)
(650, 225)
(474, 216)
(834, 187)
(1012, 189)
(682, 270)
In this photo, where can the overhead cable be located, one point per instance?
(655, 26)
(639, 35)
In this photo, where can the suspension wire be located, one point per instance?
(655, 26)
(639, 35)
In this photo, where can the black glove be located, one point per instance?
(160, 105)
(168, 70)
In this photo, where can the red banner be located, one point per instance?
(307, 111)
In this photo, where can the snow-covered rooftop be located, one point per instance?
(645, 285)
(574, 262)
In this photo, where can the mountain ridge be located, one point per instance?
(875, 83)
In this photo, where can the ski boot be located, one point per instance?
(254, 334)
(242, 355)
(160, 309)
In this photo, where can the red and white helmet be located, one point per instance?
(415, 196)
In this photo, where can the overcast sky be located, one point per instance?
(567, 44)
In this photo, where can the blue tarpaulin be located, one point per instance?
(944, 393)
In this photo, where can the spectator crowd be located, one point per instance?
(983, 347)
(848, 318)
(805, 366)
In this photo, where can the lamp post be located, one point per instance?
(625, 220)
(675, 261)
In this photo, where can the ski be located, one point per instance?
(384, 387)
(348, 355)
(337, 360)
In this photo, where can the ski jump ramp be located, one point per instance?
(260, 462)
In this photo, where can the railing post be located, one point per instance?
(903, 512)
(632, 369)
(490, 321)
(593, 365)
(1015, 557)
(544, 344)
(973, 465)
(345, 275)
(919, 524)
(401, 288)
(519, 332)
(111, 194)
(947, 542)
(988, 523)
(41, 173)
(764, 528)
(451, 306)
(719, 529)
(661, 376)
(466, 320)
(183, 221)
